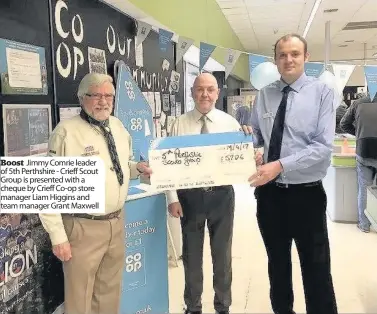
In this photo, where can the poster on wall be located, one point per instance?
(22, 69)
(31, 280)
(239, 103)
(66, 113)
(97, 60)
(174, 82)
(27, 129)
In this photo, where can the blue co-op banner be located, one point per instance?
(254, 61)
(164, 39)
(145, 277)
(371, 77)
(205, 53)
(313, 69)
(135, 113)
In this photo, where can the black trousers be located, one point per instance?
(215, 207)
(296, 213)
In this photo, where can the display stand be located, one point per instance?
(340, 182)
(145, 277)
(340, 185)
(371, 210)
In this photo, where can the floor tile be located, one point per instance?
(353, 258)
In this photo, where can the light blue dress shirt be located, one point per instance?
(309, 129)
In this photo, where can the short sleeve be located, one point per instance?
(56, 144)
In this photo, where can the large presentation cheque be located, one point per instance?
(193, 161)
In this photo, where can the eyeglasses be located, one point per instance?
(108, 97)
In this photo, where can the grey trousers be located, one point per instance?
(216, 207)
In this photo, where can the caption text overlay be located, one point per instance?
(52, 185)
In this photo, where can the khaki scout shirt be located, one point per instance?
(190, 124)
(75, 137)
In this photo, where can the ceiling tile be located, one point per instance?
(238, 17)
(234, 11)
(259, 3)
(268, 20)
(367, 12)
(230, 4)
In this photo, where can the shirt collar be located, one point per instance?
(296, 85)
(210, 115)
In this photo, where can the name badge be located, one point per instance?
(89, 151)
(267, 115)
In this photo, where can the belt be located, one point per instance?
(214, 188)
(97, 217)
(299, 185)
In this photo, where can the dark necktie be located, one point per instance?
(104, 126)
(278, 128)
(204, 129)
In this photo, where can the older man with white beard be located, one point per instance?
(91, 246)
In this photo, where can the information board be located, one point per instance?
(22, 68)
(27, 129)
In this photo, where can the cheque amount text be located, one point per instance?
(231, 157)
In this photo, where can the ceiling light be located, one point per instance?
(342, 46)
(311, 17)
(330, 10)
(360, 25)
(349, 41)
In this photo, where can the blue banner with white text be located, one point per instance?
(164, 39)
(205, 53)
(254, 61)
(135, 113)
(371, 77)
(145, 276)
(314, 69)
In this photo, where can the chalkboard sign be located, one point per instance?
(90, 36)
(27, 129)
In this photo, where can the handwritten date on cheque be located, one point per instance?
(202, 166)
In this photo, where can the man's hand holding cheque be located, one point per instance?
(144, 169)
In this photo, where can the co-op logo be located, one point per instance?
(133, 262)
